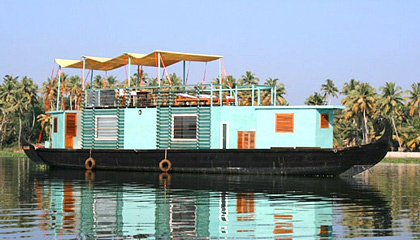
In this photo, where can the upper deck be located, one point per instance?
(176, 96)
(159, 95)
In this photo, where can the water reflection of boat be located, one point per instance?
(193, 206)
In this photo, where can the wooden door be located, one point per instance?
(71, 129)
(246, 139)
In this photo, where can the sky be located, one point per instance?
(302, 43)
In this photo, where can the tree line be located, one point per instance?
(23, 104)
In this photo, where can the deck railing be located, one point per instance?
(185, 95)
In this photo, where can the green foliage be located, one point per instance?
(20, 104)
(17, 108)
(316, 99)
(329, 90)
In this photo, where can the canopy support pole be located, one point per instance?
(129, 72)
(220, 71)
(158, 76)
(183, 73)
(83, 74)
(58, 88)
(91, 80)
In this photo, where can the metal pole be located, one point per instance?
(83, 74)
(158, 76)
(58, 88)
(183, 74)
(252, 95)
(259, 96)
(91, 80)
(236, 95)
(129, 72)
(275, 95)
(220, 71)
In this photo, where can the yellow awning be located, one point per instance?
(66, 63)
(106, 64)
(170, 58)
(95, 63)
(122, 60)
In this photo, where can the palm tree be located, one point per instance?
(49, 92)
(360, 103)
(348, 87)
(391, 102)
(248, 79)
(280, 90)
(315, 99)
(111, 82)
(74, 85)
(7, 101)
(414, 98)
(30, 90)
(98, 82)
(17, 98)
(329, 90)
(46, 123)
(152, 82)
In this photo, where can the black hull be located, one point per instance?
(288, 161)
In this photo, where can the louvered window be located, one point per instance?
(325, 120)
(246, 139)
(184, 127)
(106, 127)
(284, 122)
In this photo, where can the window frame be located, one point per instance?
(96, 128)
(173, 128)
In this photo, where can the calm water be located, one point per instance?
(38, 203)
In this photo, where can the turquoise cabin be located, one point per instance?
(204, 116)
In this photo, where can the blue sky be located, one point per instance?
(302, 43)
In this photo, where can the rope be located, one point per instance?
(126, 73)
(204, 77)
(104, 79)
(188, 72)
(87, 75)
(166, 72)
(140, 74)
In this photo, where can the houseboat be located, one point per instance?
(205, 128)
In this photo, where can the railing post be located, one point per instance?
(220, 94)
(271, 95)
(211, 95)
(252, 95)
(259, 96)
(275, 95)
(236, 95)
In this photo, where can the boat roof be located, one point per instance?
(106, 64)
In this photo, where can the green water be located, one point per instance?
(39, 203)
